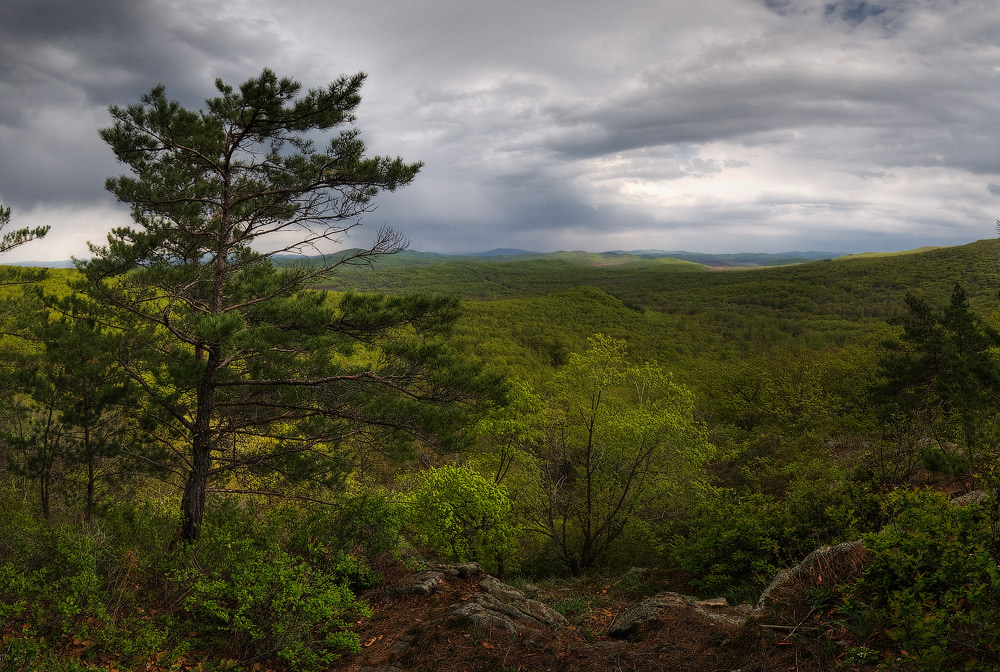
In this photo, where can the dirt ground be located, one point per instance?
(414, 632)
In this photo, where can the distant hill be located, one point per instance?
(499, 252)
(612, 258)
(738, 259)
(66, 263)
(703, 258)
(891, 254)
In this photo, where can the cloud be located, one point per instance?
(737, 124)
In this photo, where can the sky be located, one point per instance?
(712, 126)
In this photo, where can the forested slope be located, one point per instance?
(711, 426)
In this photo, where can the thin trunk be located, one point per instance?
(44, 487)
(193, 502)
(91, 474)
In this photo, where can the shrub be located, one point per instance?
(52, 576)
(457, 513)
(934, 584)
(246, 595)
(731, 543)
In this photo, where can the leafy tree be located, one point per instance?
(458, 513)
(509, 433)
(244, 366)
(622, 448)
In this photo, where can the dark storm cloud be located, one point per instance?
(853, 11)
(754, 123)
(65, 62)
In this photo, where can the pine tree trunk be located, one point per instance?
(193, 502)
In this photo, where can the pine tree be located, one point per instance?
(244, 366)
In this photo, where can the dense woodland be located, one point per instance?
(206, 451)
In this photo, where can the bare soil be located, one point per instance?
(414, 632)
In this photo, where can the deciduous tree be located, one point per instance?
(623, 449)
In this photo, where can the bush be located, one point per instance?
(252, 588)
(248, 597)
(457, 513)
(85, 585)
(52, 576)
(934, 584)
(364, 517)
(731, 543)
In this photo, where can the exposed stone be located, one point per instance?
(504, 607)
(970, 498)
(426, 583)
(786, 598)
(463, 570)
(629, 623)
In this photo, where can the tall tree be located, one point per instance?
(244, 365)
(942, 375)
(622, 449)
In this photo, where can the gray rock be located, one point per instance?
(426, 583)
(970, 498)
(463, 570)
(629, 623)
(841, 562)
(503, 607)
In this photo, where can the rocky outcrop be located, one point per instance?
(631, 623)
(427, 582)
(786, 599)
(503, 607)
(495, 606)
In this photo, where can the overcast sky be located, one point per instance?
(712, 126)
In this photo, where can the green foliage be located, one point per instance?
(12, 239)
(941, 376)
(731, 542)
(67, 421)
(365, 517)
(276, 586)
(934, 583)
(239, 360)
(248, 597)
(621, 448)
(457, 513)
(508, 434)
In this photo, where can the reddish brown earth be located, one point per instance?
(414, 632)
